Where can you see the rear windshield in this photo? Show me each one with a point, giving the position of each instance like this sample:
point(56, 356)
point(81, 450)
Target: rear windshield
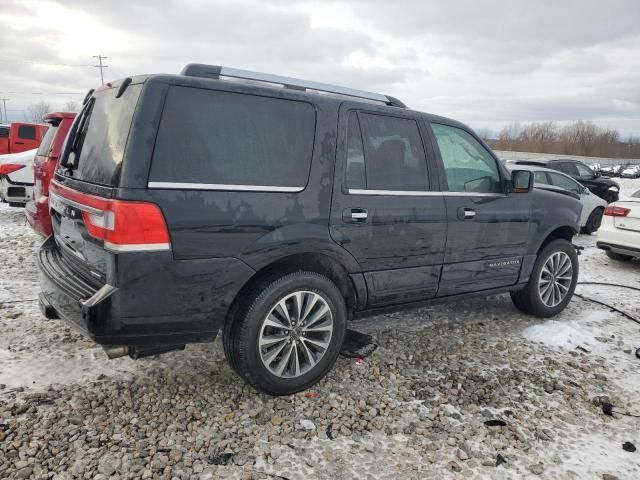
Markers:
point(229, 139)
point(100, 134)
point(45, 145)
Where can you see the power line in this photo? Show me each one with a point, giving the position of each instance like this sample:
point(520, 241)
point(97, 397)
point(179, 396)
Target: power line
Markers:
point(101, 66)
point(35, 62)
point(41, 93)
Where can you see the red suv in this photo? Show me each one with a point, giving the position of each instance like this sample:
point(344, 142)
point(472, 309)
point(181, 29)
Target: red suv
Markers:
point(44, 165)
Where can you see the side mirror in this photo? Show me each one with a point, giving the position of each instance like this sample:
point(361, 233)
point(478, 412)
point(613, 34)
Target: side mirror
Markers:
point(586, 191)
point(521, 181)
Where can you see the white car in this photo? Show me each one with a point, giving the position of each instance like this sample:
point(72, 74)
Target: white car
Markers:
point(592, 205)
point(16, 177)
point(630, 171)
point(619, 235)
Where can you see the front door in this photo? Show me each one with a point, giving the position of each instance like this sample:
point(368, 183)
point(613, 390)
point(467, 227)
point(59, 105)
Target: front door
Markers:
point(487, 230)
point(384, 211)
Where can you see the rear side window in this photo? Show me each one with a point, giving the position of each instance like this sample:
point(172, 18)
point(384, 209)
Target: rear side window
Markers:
point(469, 167)
point(385, 153)
point(232, 139)
point(27, 132)
point(45, 144)
point(4, 132)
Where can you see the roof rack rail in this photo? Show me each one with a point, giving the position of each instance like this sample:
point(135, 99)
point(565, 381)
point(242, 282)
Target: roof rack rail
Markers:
point(215, 72)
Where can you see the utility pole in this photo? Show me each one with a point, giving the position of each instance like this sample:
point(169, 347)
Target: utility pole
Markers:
point(4, 103)
point(101, 66)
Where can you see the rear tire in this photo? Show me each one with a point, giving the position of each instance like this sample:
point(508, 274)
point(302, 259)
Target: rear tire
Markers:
point(594, 221)
point(552, 282)
point(618, 256)
point(288, 334)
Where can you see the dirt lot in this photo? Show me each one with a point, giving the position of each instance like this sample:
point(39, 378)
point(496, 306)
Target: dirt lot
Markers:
point(417, 408)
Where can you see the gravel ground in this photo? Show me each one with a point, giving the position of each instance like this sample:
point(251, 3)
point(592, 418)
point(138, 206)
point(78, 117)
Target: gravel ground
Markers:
point(469, 389)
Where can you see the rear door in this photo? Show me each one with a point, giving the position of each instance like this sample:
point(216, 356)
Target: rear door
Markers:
point(384, 209)
point(487, 231)
point(91, 164)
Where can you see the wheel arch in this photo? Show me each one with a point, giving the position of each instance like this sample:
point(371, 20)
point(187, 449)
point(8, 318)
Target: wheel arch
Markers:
point(304, 261)
point(564, 232)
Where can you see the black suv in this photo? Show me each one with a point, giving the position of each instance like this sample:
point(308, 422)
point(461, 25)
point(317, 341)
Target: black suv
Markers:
point(603, 187)
point(278, 209)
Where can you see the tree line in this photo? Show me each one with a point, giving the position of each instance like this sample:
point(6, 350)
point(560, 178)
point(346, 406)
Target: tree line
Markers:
point(575, 138)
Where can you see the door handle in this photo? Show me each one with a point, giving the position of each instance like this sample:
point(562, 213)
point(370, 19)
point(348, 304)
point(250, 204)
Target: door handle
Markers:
point(355, 215)
point(466, 213)
point(19, 143)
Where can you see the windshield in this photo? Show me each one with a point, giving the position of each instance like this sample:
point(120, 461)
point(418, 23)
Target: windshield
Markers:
point(99, 136)
point(636, 195)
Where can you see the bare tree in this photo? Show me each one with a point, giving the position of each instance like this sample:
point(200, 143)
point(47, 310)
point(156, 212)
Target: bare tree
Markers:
point(575, 138)
point(71, 106)
point(485, 134)
point(37, 111)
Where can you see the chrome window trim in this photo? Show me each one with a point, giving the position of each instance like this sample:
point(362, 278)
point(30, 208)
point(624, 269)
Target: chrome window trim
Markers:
point(223, 187)
point(419, 193)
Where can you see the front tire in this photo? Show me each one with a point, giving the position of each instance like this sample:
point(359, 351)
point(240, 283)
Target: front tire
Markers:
point(552, 282)
point(288, 334)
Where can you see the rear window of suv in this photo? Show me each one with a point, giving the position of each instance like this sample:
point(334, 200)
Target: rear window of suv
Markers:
point(98, 147)
point(223, 139)
point(45, 144)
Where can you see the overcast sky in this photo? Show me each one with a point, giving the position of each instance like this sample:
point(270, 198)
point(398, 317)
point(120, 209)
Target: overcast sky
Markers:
point(486, 63)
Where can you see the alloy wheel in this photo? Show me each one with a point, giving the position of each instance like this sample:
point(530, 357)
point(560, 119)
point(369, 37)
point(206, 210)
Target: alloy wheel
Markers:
point(555, 279)
point(295, 334)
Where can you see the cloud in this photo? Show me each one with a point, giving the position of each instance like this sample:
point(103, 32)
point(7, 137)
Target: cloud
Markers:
point(485, 63)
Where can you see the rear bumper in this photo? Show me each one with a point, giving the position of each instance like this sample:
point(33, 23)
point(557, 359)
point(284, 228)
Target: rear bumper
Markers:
point(158, 301)
point(621, 249)
point(618, 240)
point(15, 192)
point(37, 213)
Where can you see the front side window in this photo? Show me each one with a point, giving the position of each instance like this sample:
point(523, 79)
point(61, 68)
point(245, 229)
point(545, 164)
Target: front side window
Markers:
point(394, 157)
point(469, 167)
point(584, 172)
point(227, 139)
point(27, 132)
point(565, 182)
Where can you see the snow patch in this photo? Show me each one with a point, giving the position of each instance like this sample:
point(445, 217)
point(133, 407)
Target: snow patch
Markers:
point(555, 333)
point(39, 369)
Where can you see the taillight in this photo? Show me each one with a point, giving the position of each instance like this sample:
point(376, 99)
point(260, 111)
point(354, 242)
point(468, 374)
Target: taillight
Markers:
point(614, 211)
point(123, 225)
point(7, 168)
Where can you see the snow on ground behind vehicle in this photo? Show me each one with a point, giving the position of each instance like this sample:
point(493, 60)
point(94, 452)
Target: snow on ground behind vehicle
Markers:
point(415, 409)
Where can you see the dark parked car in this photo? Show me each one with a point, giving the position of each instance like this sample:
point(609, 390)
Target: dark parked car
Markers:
point(603, 187)
point(185, 204)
